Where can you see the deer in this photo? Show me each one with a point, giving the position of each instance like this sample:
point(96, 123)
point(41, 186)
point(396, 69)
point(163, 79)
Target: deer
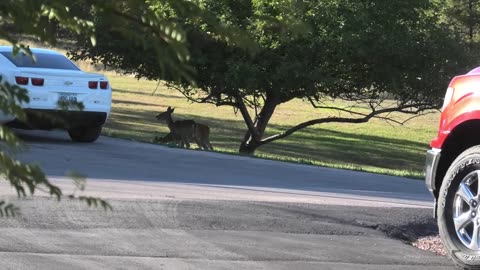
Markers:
point(200, 129)
point(185, 131)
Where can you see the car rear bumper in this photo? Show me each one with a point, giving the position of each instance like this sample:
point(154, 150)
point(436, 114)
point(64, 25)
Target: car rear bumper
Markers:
point(59, 119)
point(430, 169)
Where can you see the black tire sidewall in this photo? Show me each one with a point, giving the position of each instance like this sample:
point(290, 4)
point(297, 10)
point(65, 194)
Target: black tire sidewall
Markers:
point(86, 135)
point(466, 163)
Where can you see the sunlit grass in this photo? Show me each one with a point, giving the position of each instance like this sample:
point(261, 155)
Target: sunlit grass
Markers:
point(374, 147)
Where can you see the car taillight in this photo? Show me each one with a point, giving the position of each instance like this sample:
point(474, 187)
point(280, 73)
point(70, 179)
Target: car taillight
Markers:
point(21, 80)
point(37, 81)
point(448, 98)
point(103, 85)
point(93, 85)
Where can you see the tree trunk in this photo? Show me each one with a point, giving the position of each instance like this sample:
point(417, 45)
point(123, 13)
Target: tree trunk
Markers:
point(248, 147)
point(249, 143)
point(471, 25)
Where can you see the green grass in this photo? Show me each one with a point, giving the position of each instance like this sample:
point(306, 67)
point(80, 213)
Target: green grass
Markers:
point(374, 147)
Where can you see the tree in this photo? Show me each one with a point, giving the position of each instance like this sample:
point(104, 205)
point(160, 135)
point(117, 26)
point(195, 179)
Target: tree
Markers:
point(376, 56)
point(463, 16)
point(43, 19)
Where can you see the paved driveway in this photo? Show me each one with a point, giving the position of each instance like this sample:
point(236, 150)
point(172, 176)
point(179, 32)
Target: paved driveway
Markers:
point(180, 209)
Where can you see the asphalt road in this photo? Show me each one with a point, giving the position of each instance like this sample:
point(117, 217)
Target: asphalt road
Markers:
point(180, 209)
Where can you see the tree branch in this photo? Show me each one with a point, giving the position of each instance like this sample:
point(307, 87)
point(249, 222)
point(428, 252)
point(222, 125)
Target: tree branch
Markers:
point(248, 119)
point(217, 103)
point(346, 109)
point(364, 119)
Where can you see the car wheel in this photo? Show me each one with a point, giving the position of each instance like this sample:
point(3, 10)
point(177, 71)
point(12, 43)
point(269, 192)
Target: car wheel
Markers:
point(459, 209)
point(87, 134)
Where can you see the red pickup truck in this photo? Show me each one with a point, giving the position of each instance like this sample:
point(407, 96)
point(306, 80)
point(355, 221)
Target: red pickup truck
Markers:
point(452, 170)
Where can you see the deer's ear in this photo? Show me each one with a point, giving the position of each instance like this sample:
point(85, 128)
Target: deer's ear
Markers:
point(172, 109)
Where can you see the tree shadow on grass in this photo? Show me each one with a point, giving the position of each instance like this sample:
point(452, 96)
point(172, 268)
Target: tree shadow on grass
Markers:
point(310, 144)
point(134, 103)
point(157, 94)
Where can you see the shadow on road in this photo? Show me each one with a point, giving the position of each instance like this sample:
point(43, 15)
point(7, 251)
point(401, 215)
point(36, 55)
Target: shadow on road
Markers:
point(116, 159)
point(123, 160)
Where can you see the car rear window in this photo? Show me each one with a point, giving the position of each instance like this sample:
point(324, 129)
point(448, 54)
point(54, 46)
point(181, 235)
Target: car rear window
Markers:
point(43, 60)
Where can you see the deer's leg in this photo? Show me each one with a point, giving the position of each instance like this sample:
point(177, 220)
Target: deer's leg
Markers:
point(210, 145)
point(185, 140)
point(199, 143)
point(206, 144)
point(178, 141)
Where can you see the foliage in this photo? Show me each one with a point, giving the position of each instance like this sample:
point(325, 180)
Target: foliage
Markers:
point(463, 17)
point(374, 146)
point(42, 19)
point(133, 21)
point(25, 178)
point(367, 53)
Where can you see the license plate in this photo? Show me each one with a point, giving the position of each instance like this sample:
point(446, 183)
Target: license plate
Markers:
point(67, 97)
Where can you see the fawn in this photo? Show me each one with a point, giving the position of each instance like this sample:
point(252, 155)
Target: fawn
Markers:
point(184, 131)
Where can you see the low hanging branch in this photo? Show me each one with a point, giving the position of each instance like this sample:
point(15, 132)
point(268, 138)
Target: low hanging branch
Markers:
point(364, 119)
point(298, 62)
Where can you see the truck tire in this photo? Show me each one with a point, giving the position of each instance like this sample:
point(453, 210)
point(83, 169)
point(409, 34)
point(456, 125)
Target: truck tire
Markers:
point(459, 209)
point(85, 135)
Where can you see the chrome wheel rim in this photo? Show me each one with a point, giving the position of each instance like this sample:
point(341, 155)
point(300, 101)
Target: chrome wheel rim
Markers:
point(466, 214)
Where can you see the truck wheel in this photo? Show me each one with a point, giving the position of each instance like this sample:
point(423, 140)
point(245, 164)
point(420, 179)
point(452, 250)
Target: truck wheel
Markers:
point(459, 209)
point(87, 134)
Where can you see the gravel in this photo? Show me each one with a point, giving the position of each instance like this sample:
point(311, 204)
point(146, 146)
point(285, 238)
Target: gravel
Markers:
point(431, 243)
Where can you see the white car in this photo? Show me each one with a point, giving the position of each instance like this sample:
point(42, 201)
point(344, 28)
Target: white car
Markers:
point(53, 78)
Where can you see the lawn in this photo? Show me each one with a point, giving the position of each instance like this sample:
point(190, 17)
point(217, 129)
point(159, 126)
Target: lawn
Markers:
point(375, 146)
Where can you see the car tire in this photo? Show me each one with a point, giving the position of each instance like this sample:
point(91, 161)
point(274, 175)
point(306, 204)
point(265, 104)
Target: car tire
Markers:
point(85, 135)
point(457, 219)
